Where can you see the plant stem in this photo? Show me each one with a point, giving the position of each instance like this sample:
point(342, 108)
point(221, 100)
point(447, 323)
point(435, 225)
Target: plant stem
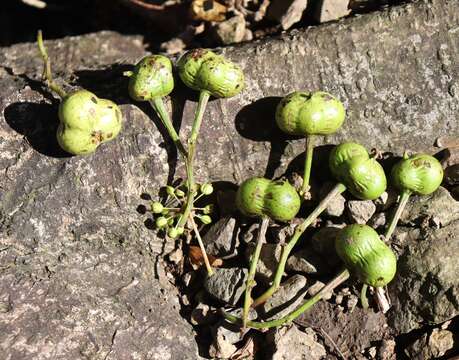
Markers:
point(363, 296)
point(47, 68)
point(307, 164)
point(405, 195)
point(158, 105)
point(201, 245)
point(203, 99)
point(339, 279)
point(338, 189)
point(253, 269)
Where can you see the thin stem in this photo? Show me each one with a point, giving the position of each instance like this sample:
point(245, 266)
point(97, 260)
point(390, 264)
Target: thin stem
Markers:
point(158, 104)
point(47, 68)
point(250, 284)
point(363, 296)
point(339, 279)
point(203, 99)
point(405, 195)
point(201, 245)
point(338, 189)
point(307, 164)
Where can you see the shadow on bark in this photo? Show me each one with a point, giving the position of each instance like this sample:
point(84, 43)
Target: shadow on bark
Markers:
point(256, 122)
point(38, 123)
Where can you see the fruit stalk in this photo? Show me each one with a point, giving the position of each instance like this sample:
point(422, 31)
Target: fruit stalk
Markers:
point(338, 189)
point(158, 105)
point(338, 280)
point(405, 195)
point(201, 245)
point(203, 99)
point(307, 164)
point(250, 284)
point(47, 68)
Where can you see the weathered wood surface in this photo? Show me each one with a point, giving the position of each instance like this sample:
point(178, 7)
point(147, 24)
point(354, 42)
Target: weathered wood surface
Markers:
point(78, 268)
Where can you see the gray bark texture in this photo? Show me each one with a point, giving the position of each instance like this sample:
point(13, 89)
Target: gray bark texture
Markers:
point(80, 274)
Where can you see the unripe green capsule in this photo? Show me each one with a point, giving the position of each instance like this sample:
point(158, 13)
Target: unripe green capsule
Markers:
point(341, 154)
point(157, 207)
point(203, 70)
point(364, 177)
point(365, 255)
point(161, 222)
point(262, 197)
point(151, 78)
point(86, 121)
point(420, 174)
point(170, 190)
point(207, 189)
point(304, 113)
point(180, 230)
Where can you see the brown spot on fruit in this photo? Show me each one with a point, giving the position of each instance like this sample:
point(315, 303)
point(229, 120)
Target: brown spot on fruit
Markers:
point(93, 99)
point(97, 137)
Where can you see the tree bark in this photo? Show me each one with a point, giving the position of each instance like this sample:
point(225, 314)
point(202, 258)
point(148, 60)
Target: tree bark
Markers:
point(80, 272)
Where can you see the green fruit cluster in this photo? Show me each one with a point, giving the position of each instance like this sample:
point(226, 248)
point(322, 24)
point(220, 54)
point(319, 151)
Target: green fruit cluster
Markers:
point(260, 197)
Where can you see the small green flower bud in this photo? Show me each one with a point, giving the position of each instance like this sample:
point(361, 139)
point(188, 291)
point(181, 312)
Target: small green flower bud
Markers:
point(179, 193)
point(161, 222)
point(157, 207)
point(205, 219)
point(170, 221)
point(208, 209)
point(207, 189)
point(180, 230)
point(172, 233)
point(170, 190)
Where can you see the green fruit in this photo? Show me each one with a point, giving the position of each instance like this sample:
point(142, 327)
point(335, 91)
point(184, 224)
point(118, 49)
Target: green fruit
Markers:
point(341, 154)
point(86, 122)
point(351, 165)
point(421, 174)
point(262, 197)
point(304, 113)
point(151, 78)
point(204, 70)
point(365, 255)
point(366, 179)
